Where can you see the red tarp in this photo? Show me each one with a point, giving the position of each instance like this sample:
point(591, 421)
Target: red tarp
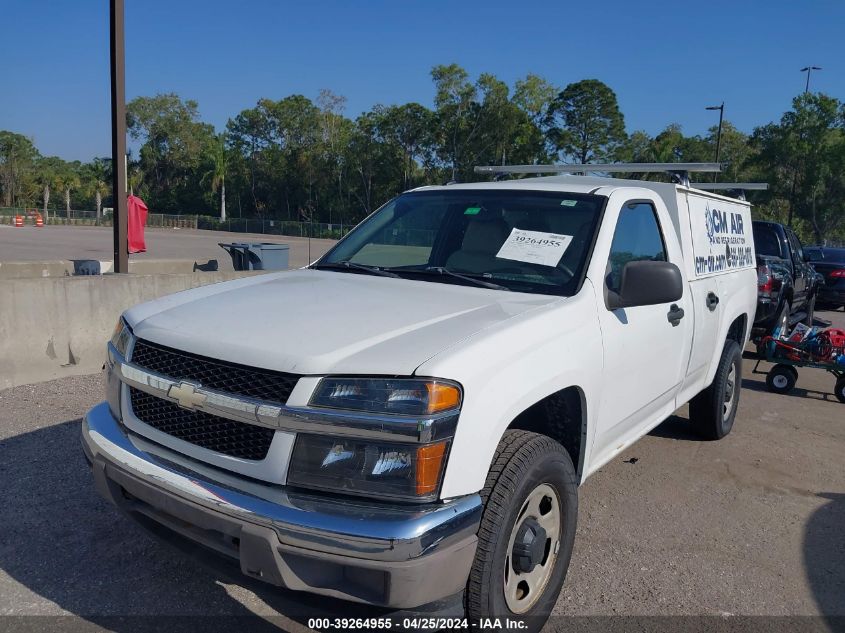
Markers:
point(135, 226)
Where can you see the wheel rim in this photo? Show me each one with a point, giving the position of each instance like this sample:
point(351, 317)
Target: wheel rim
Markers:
point(780, 381)
point(730, 393)
point(524, 588)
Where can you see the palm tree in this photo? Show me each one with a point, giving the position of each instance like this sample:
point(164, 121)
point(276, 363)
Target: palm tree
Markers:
point(67, 180)
point(48, 170)
point(217, 173)
point(45, 183)
point(98, 174)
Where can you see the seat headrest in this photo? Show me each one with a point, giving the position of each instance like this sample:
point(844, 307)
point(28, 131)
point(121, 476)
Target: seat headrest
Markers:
point(485, 235)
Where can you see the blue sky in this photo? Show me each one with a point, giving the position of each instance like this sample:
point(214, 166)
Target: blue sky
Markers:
point(665, 60)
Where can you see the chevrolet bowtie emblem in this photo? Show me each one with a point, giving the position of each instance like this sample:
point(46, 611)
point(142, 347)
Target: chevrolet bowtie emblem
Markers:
point(186, 396)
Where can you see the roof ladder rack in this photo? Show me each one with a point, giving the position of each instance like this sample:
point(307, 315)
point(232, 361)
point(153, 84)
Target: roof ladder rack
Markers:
point(678, 171)
point(737, 189)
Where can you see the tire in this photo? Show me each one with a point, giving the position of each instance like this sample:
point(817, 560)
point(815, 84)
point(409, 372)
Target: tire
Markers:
point(529, 472)
point(810, 311)
point(712, 412)
point(839, 389)
point(781, 379)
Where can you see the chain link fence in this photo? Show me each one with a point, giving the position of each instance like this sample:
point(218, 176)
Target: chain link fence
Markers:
point(234, 225)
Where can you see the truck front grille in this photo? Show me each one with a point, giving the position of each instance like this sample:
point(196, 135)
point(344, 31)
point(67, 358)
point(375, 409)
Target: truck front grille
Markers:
point(252, 382)
point(229, 437)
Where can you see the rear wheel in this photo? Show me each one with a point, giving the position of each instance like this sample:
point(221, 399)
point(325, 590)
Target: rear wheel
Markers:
point(712, 412)
point(811, 308)
point(781, 378)
point(781, 327)
point(527, 531)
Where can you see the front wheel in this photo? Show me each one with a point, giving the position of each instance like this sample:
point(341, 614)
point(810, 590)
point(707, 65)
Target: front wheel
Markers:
point(527, 531)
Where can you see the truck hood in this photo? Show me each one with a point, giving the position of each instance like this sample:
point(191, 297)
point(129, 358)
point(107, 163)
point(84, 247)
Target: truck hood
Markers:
point(320, 322)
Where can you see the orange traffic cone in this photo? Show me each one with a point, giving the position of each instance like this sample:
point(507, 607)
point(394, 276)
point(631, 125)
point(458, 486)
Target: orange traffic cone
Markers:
point(38, 220)
point(18, 220)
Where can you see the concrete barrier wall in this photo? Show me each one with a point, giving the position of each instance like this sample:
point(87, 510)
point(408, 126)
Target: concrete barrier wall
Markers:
point(58, 326)
point(78, 267)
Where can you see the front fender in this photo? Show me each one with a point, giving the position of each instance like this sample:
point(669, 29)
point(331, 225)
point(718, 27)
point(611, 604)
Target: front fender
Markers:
point(509, 367)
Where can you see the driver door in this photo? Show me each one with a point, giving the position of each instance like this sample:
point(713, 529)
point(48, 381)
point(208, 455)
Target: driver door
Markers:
point(645, 353)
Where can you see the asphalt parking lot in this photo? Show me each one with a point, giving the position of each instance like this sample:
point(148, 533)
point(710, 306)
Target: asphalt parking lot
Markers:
point(95, 242)
point(751, 525)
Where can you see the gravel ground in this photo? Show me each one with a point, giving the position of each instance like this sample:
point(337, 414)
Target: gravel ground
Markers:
point(751, 525)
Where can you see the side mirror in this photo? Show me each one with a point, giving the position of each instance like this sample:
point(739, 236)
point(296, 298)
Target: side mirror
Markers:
point(647, 283)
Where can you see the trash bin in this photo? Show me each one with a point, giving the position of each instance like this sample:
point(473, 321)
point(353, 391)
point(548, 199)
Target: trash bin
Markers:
point(257, 255)
point(270, 256)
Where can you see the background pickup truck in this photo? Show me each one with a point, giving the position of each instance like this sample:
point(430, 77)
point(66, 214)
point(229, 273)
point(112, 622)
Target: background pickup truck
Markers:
point(787, 286)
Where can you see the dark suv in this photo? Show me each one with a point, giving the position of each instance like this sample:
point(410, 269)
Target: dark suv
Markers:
point(787, 285)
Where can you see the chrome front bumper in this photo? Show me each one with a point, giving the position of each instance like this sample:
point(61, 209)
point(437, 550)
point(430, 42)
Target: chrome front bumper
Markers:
point(388, 555)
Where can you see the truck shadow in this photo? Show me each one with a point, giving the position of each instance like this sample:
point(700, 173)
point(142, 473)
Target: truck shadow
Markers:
point(676, 427)
point(796, 392)
point(824, 557)
point(64, 543)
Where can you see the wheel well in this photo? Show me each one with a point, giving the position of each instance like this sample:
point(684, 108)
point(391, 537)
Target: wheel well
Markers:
point(736, 332)
point(787, 296)
point(561, 417)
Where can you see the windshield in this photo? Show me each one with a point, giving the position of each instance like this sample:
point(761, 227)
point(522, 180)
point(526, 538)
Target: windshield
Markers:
point(522, 241)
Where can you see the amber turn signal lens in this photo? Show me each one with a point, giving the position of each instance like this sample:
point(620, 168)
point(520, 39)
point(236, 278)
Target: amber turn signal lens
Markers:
point(429, 464)
point(442, 397)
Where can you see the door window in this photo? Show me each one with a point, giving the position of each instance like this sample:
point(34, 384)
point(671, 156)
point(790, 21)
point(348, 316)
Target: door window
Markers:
point(797, 249)
point(637, 238)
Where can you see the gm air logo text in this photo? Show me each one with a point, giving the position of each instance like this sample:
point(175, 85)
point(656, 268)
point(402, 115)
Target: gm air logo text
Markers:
point(721, 224)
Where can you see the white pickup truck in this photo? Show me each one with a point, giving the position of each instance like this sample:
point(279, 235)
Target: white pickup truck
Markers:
point(408, 419)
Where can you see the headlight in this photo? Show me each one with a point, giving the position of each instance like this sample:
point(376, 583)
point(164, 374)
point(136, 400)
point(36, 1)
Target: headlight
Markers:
point(402, 396)
point(377, 469)
point(121, 337)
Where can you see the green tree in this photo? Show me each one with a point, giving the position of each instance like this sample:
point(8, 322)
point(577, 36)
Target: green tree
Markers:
point(585, 122)
point(66, 178)
point(217, 173)
point(49, 171)
point(276, 146)
point(17, 157)
point(96, 177)
point(410, 128)
point(534, 96)
point(173, 151)
point(803, 159)
point(735, 151)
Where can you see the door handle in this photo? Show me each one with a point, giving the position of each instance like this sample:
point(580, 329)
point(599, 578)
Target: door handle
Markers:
point(675, 314)
point(712, 301)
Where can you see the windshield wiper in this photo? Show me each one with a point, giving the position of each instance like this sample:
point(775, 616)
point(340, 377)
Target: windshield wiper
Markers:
point(347, 265)
point(444, 271)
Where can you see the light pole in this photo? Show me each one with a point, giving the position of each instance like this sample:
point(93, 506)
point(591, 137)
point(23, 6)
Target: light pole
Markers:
point(809, 70)
point(118, 134)
point(721, 109)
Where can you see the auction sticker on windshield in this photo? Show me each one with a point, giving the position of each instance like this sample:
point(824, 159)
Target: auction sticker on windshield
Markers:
point(534, 247)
